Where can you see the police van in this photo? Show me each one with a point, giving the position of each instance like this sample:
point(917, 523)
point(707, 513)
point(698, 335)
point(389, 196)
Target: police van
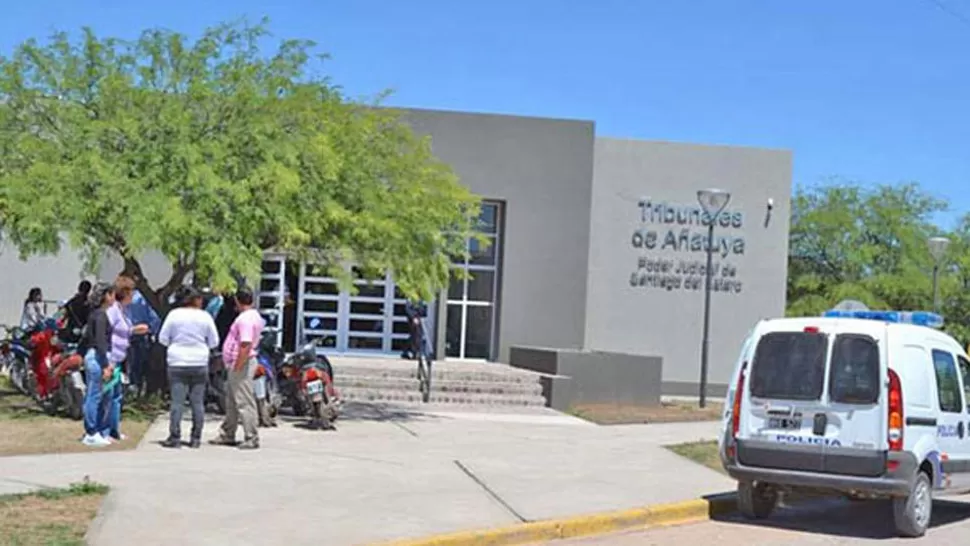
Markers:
point(866, 404)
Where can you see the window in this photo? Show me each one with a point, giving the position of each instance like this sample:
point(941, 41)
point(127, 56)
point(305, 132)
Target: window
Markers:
point(854, 377)
point(947, 382)
point(917, 368)
point(472, 301)
point(965, 374)
point(789, 366)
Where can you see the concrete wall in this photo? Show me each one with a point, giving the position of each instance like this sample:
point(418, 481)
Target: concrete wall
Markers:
point(592, 377)
point(632, 308)
point(542, 170)
point(57, 276)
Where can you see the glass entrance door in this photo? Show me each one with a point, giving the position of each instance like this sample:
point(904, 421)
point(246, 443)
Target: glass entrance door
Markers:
point(370, 322)
point(473, 293)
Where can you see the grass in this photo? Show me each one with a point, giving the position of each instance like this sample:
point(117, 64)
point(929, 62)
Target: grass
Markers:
point(50, 517)
point(702, 452)
point(26, 430)
point(666, 412)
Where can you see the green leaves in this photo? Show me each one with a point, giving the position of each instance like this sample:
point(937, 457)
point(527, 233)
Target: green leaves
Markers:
point(870, 244)
point(211, 151)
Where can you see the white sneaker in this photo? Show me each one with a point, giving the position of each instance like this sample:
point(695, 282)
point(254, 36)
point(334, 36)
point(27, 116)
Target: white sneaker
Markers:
point(95, 440)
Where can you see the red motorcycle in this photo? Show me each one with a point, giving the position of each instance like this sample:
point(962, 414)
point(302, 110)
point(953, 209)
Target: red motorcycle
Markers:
point(58, 378)
point(41, 350)
point(317, 392)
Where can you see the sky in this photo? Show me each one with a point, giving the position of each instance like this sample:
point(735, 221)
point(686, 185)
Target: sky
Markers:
point(867, 91)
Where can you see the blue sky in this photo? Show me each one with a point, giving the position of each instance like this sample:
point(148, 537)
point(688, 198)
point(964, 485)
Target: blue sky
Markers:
point(866, 90)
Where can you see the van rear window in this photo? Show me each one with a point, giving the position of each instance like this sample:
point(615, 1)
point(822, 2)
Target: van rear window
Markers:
point(854, 378)
point(789, 366)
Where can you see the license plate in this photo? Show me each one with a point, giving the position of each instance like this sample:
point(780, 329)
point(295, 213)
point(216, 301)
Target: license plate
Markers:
point(314, 387)
point(77, 380)
point(259, 387)
point(785, 423)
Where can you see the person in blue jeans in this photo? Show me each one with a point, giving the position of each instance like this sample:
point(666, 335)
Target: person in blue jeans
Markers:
point(96, 341)
point(122, 329)
point(139, 311)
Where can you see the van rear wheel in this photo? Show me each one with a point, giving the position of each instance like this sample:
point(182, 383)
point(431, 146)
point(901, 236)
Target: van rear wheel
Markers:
point(756, 500)
point(912, 514)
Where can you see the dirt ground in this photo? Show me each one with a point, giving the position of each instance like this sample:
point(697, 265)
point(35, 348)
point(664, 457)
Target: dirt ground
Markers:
point(667, 412)
point(26, 430)
point(51, 518)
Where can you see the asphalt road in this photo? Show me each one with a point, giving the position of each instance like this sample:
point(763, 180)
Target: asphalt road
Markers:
point(818, 523)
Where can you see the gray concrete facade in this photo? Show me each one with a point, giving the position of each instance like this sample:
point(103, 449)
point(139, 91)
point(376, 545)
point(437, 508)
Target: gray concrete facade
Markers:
point(541, 171)
point(601, 246)
point(647, 252)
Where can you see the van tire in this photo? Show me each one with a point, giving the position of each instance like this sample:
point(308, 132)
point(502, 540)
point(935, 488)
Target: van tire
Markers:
point(912, 514)
point(756, 500)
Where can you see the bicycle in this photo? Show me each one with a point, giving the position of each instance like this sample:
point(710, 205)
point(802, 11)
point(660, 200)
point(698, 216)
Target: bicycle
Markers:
point(420, 347)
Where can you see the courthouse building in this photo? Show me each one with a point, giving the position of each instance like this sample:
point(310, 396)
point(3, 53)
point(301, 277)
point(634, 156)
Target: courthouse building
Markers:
point(598, 248)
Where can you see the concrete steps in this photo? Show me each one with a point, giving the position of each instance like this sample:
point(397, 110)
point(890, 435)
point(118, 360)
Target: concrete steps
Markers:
point(453, 382)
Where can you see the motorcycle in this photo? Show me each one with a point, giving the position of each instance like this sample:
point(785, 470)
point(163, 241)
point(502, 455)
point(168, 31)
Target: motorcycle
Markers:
point(15, 350)
point(58, 368)
point(215, 387)
point(314, 375)
point(43, 346)
point(266, 380)
point(67, 384)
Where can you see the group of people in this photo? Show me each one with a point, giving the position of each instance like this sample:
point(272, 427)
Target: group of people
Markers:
point(189, 333)
point(118, 329)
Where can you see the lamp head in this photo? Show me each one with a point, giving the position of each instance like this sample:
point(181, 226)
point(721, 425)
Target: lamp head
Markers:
point(938, 246)
point(713, 200)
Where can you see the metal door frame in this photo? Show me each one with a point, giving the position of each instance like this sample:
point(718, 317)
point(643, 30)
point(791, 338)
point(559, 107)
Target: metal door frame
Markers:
point(279, 295)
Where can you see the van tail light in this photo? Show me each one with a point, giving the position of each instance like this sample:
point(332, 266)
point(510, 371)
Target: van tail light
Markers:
point(736, 411)
point(895, 432)
point(811, 330)
point(736, 404)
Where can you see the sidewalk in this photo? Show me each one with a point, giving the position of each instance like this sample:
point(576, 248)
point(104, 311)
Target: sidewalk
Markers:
point(385, 475)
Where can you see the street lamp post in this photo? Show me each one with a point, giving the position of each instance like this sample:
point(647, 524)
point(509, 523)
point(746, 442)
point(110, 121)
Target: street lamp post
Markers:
point(938, 246)
point(713, 201)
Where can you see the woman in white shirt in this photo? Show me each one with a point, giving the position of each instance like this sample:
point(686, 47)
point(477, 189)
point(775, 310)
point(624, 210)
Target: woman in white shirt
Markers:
point(190, 335)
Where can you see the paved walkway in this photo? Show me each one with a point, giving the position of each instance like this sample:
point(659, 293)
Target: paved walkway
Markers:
point(387, 474)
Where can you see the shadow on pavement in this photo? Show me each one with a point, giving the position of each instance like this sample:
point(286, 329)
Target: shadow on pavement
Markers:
point(363, 411)
point(851, 519)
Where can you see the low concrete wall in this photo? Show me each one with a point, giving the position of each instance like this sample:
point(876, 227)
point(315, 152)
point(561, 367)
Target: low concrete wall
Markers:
point(592, 377)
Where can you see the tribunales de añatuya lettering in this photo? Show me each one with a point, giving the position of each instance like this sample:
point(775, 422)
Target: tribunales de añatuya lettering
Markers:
point(677, 234)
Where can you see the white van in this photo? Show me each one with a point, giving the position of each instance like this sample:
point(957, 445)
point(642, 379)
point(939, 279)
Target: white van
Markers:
point(859, 403)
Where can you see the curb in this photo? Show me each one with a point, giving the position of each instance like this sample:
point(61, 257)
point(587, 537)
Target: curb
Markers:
point(96, 528)
point(587, 525)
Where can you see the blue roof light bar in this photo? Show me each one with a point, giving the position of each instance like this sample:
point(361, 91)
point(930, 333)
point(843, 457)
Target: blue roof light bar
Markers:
point(919, 318)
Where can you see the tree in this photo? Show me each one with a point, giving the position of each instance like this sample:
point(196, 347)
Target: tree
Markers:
point(211, 152)
point(870, 244)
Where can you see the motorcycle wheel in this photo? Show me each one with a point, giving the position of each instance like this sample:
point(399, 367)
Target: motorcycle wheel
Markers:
point(73, 400)
point(298, 407)
point(17, 375)
point(261, 413)
point(220, 401)
point(273, 400)
point(316, 418)
point(216, 392)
